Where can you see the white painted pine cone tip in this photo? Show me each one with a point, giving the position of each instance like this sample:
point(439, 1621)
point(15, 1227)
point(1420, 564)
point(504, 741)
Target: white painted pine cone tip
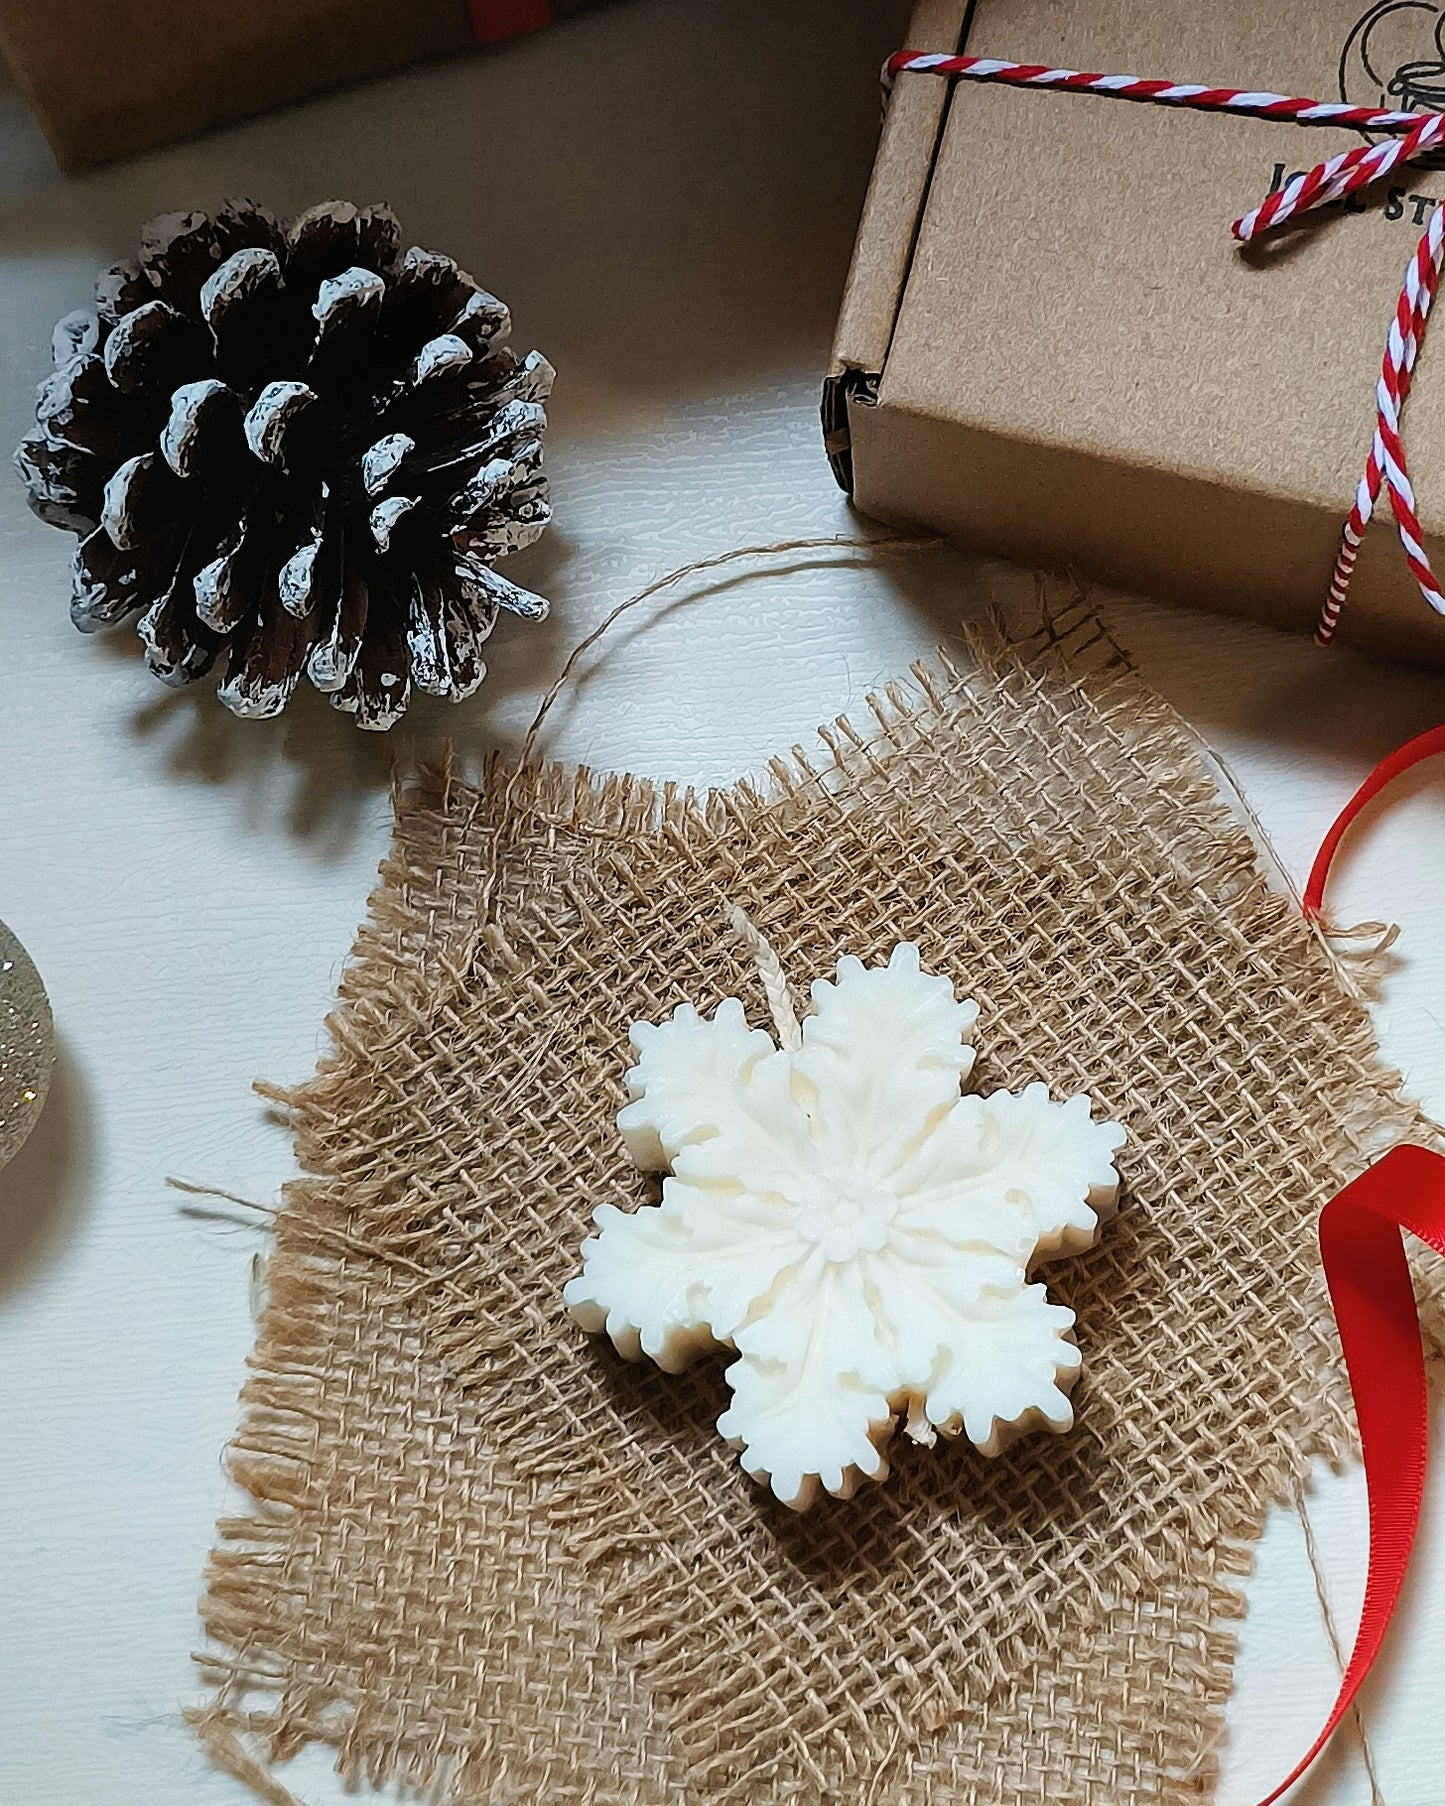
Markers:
point(856, 1226)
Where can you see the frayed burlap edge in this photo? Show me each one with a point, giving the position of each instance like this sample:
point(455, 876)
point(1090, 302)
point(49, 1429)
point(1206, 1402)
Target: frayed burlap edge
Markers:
point(426, 956)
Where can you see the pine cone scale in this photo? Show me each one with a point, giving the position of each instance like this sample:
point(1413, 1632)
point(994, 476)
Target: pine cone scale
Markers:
point(66, 486)
point(201, 414)
point(381, 462)
point(76, 335)
point(256, 326)
point(266, 665)
point(231, 555)
point(336, 650)
point(109, 584)
point(154, 350)
point(118, 290)
point(378, 688)
point(178, 648)
point(306, 530)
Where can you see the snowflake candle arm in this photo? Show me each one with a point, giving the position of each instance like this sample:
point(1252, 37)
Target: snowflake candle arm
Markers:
point(852, 1224)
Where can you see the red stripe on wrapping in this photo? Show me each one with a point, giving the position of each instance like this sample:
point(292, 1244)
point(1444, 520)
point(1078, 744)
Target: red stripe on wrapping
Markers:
point(494, 20)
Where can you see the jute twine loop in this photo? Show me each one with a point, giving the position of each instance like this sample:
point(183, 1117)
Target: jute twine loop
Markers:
point(885, 543)
point(830, 542)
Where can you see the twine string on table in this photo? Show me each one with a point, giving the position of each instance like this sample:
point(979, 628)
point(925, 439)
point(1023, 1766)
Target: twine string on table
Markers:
point(1408, 136)
point(829, 543)
point(885, 543)
point(1337, 1648)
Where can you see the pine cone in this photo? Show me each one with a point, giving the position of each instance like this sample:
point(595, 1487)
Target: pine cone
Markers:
point(298, 447)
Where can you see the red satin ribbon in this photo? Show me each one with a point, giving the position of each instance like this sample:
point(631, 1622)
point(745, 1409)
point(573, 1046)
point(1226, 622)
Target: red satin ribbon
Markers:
point(1423, 746)
point(1374, 1303)
point(1363, 1254)
point(494, 20)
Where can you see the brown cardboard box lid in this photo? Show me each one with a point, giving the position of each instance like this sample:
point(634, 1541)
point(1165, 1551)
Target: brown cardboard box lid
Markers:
point(1051, 345)
point(105, 78)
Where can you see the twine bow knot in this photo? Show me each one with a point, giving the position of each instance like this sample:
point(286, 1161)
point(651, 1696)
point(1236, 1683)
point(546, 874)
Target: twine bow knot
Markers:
point(1408, 137)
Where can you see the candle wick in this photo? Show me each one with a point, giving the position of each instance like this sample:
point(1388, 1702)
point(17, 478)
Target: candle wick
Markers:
point(774, 980)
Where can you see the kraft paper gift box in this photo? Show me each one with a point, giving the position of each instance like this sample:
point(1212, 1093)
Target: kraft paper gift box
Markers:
point(1052, 348)
point(105, 78)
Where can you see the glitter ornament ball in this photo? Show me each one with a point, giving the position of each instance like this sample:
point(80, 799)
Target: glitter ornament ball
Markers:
point(27, 1045)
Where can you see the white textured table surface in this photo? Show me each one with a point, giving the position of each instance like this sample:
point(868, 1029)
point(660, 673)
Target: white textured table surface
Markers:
point(666, 195)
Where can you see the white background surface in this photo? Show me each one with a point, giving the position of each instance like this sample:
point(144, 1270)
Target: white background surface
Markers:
point(666, 195)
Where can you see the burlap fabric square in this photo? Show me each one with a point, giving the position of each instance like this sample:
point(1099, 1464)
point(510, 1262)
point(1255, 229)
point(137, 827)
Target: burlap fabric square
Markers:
point(488, 1560)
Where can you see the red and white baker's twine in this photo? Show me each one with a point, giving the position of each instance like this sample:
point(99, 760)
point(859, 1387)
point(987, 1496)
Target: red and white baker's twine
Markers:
point(1411, 135)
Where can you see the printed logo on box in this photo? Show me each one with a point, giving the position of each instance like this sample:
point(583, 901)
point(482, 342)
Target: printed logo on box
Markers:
point(1394, 56)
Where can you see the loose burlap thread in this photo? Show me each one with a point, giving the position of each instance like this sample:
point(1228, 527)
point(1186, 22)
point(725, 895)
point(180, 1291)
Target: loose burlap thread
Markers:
point(488, 1561)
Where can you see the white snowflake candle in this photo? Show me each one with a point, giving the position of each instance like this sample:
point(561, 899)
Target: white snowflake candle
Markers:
point(849, 1221)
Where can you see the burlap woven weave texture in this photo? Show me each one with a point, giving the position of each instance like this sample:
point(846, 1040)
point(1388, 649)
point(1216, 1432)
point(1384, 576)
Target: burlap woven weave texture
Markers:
point(487, 1558)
